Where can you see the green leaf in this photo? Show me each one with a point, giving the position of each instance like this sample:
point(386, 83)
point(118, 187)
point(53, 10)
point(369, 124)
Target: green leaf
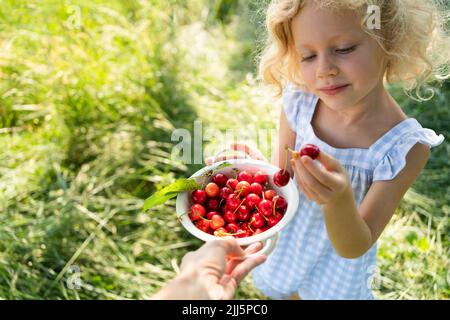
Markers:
point(169, 192)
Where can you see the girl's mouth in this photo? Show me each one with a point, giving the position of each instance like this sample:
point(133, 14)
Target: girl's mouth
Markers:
point(334, 90)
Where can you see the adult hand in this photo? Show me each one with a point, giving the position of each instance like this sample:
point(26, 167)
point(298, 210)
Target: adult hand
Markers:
point(213, 271)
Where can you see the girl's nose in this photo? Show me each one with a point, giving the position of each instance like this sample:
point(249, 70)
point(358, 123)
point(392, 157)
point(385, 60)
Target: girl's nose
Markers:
point(326, 67)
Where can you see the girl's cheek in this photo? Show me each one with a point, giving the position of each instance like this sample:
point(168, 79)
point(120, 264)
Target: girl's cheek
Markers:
point(362, 64)
point(356, 66)
point(307, 73)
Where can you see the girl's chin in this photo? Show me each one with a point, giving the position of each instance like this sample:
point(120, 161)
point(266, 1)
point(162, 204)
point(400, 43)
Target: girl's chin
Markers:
point(337, 103)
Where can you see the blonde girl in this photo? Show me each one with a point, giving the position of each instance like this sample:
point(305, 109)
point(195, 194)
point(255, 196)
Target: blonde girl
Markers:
point(331, 65)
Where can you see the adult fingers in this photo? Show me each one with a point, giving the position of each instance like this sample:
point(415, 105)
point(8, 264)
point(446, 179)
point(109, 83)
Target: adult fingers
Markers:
point(242, 269)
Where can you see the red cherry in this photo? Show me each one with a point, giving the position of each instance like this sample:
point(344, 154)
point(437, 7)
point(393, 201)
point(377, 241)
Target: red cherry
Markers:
point(217, 222)
point(243, 213)
point(224, 209)
point(232, 228)
point(231, 183)
point(210, 214)
point(212, 190)
point(243, 188)
point(280, 203)
point(245, 227)
point(220, 179)
point(199, 196)
point(269, 194)
point(225, 192)
point(252, 200)
point(212, 204)
point(256, 188)
point(265, 207)
point(204, 225)
point(310, 150)
point(197, 212)
point(257, 220)
point(273, 220)
point(281, 178)
point(233, 201)
point(245, 176)
point(261, 177)
point(229, 216)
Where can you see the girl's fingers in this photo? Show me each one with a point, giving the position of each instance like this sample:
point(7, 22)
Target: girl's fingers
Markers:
point(308, 193)
point(330, 163)
point(324, 177)
point(316, 187)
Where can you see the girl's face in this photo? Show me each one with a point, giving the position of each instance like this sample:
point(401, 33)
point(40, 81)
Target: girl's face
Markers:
point(339, 62)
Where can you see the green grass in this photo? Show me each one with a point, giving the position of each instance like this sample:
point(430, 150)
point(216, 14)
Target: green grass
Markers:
point(86, 115)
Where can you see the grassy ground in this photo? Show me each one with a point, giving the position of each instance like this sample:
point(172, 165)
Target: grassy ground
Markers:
point(90, 92)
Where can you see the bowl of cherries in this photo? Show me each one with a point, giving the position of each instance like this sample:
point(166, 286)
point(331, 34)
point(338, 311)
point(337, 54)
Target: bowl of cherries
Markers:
point(248, 199)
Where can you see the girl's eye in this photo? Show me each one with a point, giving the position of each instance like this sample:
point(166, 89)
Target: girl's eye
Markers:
point(306, 59)
point(346, 50)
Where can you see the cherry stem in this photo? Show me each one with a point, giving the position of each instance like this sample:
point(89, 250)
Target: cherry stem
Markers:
point(240, 191)
point(289, 149)
point(239, 205)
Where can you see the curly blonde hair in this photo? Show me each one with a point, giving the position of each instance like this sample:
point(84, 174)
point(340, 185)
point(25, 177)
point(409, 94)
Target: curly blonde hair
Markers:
point(412, 35)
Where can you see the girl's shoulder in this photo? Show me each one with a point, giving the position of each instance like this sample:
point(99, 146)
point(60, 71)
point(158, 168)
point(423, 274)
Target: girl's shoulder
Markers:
point(390, 152)
point(298, 106)
point(294, 96)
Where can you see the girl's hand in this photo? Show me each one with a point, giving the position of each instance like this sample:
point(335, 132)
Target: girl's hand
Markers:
point(239, 151)
point(321, 183)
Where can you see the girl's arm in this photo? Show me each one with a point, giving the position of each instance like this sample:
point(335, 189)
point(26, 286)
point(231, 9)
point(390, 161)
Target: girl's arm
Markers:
point(353, 231)
point(286, 137)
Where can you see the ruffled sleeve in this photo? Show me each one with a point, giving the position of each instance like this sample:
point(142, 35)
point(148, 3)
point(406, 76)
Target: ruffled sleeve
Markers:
point(395, 159)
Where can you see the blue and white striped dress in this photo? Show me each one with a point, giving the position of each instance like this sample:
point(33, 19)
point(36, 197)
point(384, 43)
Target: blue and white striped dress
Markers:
point(304, 261)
